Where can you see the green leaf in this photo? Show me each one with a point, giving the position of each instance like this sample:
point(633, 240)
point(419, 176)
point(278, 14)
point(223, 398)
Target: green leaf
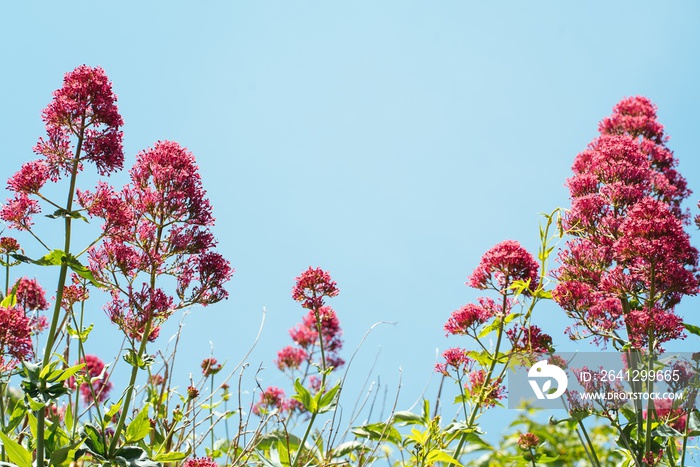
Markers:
point(94, 440)
point(349, 447)
point(691, 328)
point(10, 300)
point(489, 328)
point(60, 455)
point(283, 453)
point(55, 258)
point(81, 270)
point(82, 336)
point(170, 456)
point(545, 459)
point(113, 410)
point(304, 396)
point(441, 456)
point(139, 427)
point(326, 402)
point(68, 417)
point(16, 452)
point(62, 375)
point(132, 358)
point(408, 418)
point(694, 423)
point(511, 317)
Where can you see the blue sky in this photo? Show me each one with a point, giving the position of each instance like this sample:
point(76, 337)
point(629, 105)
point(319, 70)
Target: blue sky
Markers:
point(390, 143)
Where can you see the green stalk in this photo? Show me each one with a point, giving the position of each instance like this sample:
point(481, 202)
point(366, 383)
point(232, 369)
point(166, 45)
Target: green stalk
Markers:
point(51, 338)
point(129, 391)
point(211, 411)
point(590, 444)
point(142, 350)
point(319, 329)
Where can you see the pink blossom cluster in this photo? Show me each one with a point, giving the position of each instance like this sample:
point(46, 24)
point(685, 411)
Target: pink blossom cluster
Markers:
point(157, 225)
point(317, 340)
point(15, 338)
point(82, 124)
point(630, 260)
point(456, 360)
point(500, 268)
point(487, 391)
point(271, 399)
point(529, 340)
point(200, 462)
point(504, 264)
point(312, 286)
point(95, 385)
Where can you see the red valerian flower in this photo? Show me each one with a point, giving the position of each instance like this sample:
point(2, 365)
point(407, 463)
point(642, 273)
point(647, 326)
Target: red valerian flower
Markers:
point(305, 335)
point(30, 295)
point(312, 286)
point(532, 340)
point(630, 254)
point(528, 441)
point(158, 225)
point(469, 317)
point(200, 462)
point(291, 358)
point(30, 178)
point(210, 366)
point(99, 387)
point(503, 264)
point(18, 211)
point(455, 359)
point(8, 245)
point(74, 293)
point(15, 338)
point(85, 108)
point(490, 391)
point(192, 392)
point(271, 399)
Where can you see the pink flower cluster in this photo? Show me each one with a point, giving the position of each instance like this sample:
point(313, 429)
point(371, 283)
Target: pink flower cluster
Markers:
point(484, 390)
point(312, 286)
point(271, 399)
point(457, 360)
point(97, 387)
point(630, 261)
point(158, 225)
point(83, 110)
point(317, 340)
point(15, 338)
point(502, 265)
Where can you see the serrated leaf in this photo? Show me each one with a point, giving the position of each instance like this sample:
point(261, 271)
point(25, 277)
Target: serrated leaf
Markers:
point(16, 452)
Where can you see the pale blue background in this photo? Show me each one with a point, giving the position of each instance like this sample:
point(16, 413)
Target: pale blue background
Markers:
point(389, 142)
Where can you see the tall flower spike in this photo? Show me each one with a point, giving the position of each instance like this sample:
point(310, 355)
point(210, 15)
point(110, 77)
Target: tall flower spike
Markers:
point(630, 261)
